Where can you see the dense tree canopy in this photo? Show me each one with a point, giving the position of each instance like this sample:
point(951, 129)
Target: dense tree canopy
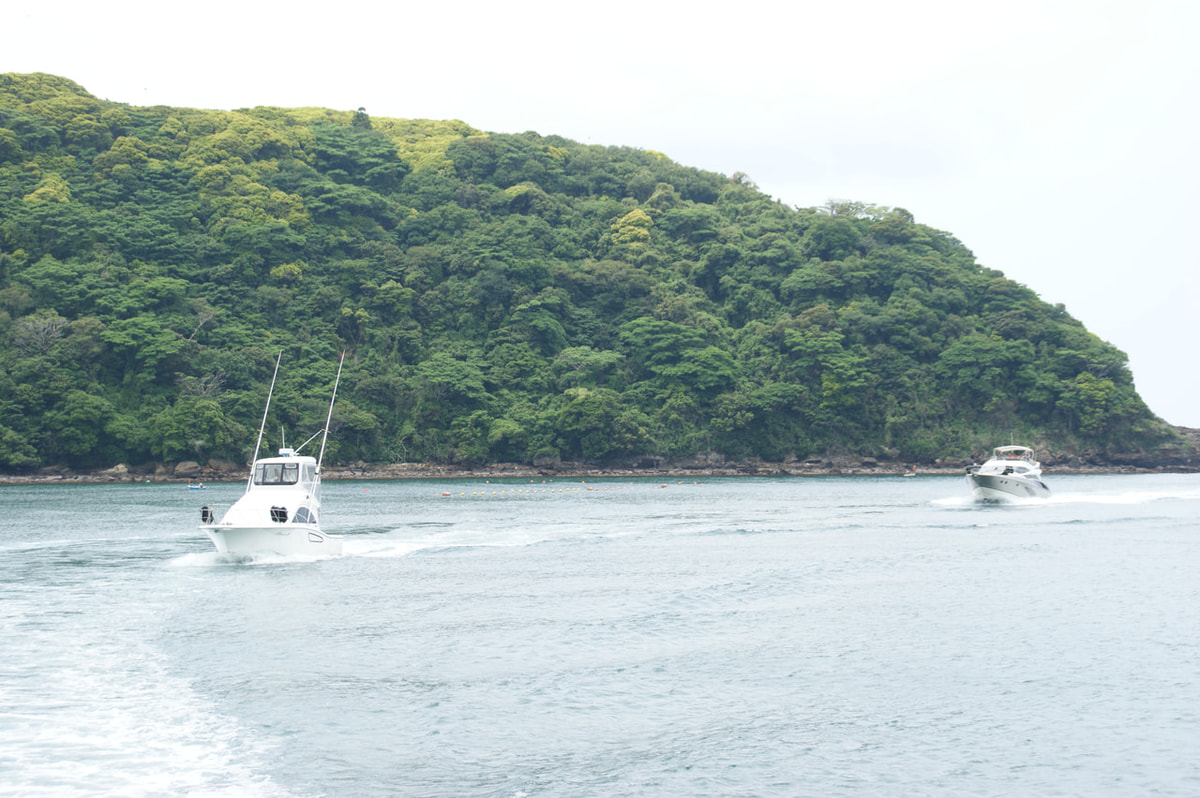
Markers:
point(502, 297)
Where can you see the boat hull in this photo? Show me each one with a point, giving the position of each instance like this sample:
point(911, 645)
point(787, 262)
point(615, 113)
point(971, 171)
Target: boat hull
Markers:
point(1003, 487)
point(284, 540)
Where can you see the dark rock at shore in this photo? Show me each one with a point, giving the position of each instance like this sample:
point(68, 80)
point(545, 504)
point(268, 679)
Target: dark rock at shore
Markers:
point(690, 470)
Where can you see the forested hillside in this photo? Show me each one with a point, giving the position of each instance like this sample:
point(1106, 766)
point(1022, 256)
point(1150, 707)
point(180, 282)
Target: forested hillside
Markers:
point(502, 298)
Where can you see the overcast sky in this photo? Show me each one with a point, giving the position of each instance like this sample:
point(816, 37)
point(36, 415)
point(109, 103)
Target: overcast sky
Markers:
point(1057, 139)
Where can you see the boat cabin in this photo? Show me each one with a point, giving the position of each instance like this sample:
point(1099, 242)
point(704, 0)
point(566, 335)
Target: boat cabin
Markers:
point(1007, 460)
point(286, 470)
point(1012, 453)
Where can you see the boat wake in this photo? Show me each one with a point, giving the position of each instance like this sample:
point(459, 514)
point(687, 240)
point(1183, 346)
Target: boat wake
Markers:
point(970, 502)
point(397, 545)
point(119, 721)
point(215, 559)
point(370, 547)
point(381, 547)
point(1062, 498)
point(955, 501)
point(1127, 497)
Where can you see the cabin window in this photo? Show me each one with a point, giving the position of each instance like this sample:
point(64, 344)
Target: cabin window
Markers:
point(277, 474)
point(304, 516)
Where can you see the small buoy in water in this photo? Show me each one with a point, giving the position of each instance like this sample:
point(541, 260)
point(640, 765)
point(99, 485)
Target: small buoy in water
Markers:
point(445, 493)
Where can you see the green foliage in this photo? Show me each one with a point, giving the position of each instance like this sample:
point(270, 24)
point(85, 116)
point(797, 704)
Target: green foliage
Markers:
point(194, 427)
point(503, 297)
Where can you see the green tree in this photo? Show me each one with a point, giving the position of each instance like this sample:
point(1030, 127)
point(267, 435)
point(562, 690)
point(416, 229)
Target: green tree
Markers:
point(594, 426)
point(77, 426)
point(16, 452)
point(513, 296)
point(195, 428)
point(1088, 402)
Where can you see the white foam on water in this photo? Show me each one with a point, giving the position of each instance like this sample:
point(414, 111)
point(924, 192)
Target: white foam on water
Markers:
point(105, 717)
point(954, 501)
point(214, 559)
point(381, 547)
point(1120, 497)
point(199, 559)
point(1123, 497)
point(352, 546)
point(395, 547)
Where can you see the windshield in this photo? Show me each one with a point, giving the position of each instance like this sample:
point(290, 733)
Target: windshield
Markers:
point(276, 473)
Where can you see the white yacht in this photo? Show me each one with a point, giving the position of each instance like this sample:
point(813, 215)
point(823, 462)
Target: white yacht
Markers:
point(280, 512)
point(1011, 472)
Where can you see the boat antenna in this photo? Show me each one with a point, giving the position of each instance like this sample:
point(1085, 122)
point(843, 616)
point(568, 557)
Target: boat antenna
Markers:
point(263, 426)
point(310, 440)
point(329, 417)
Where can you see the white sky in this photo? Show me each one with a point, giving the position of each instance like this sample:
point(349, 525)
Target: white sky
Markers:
point(1057, 139)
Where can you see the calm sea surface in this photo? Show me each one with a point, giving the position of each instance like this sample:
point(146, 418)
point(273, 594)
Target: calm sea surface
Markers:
point(839, 636)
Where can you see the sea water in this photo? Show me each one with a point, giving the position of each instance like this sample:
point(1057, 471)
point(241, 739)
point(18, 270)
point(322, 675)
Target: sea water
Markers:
point(823, 636)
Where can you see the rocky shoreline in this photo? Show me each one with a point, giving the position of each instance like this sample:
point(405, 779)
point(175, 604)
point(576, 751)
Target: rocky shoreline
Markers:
point(214, 471)
point(1174, 460)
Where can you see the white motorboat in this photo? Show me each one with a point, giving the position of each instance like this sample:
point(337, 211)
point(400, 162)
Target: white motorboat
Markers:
point(280, 512)
point(1010, 473)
